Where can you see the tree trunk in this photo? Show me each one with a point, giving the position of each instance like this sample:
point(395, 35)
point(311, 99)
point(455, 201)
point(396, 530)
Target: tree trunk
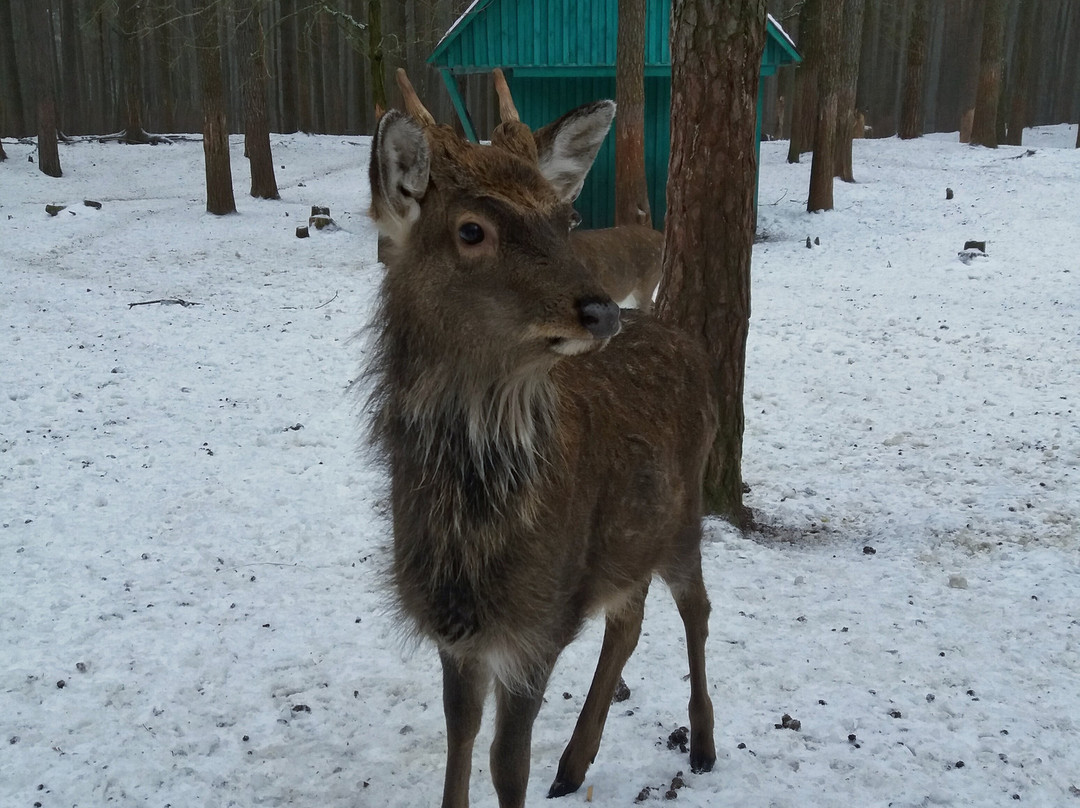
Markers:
point(631, 185)
point(804, 100)
point(287, 72)
point(984, 125)
point(252, 44)
point(715, 61)
point(131, 63)
point(821, 169)
point(911, 109)
point(375, 54)
point(12, 114)
point(219, 190)
point(3, 154)
point(37, 14)
point(849, 80)
point(1021, 67)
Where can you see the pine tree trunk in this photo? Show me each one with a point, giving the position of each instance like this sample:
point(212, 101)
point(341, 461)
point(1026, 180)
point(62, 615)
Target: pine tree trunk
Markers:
point(804, 101)
point(375, 55)
point(911, 109)
point(715, 60)
point(131, 62)
point(287, 73)
point(3, 154)
point(37, 14)
point(252, 43)
point(821, 169)
point(984, 125)
point(1018, 106)
point(851, 45)
point(219, 190)
point(13, 116)
point(631, 186)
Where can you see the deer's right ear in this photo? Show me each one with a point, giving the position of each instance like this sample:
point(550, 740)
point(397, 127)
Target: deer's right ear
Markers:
point(399, 172)
point(567, 147)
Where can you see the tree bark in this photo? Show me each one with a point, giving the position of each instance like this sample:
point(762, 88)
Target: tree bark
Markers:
point(1021, 67)
point(287, 72)
point(911, 109)
point(853, 12)
point(219, 190)
point(821, 169)
point(804, 100)
point(37, 15)
point(131, 66)
point(631, 185)
point(252, 44)
point(984, 125)
point(715, 61)
point(375, 55)
point(13, 117)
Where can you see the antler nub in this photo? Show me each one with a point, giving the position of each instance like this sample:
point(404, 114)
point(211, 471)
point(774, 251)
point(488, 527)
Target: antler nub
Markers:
point(412, 101)
point(507, 110)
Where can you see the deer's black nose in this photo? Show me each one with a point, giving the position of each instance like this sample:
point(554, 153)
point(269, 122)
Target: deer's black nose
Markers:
point(600, 316)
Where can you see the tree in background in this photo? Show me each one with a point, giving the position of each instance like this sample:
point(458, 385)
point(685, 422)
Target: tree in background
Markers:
point(984, 128)
point(219, 190)
point(631, 185)
point(38, 14)
point(252, 44)
point(11, 100)
point(375, 57)
point(851, 44)
point(128, 17)
point(828, 76)
point(804, 99)
point(1019, 75)
point(715, 61)
point(911, 109)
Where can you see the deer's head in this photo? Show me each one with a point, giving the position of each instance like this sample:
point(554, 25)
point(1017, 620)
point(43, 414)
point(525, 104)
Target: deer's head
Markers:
point(479, 261)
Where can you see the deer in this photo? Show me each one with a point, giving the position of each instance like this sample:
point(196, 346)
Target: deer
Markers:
point(626, 259)
point(545, 450)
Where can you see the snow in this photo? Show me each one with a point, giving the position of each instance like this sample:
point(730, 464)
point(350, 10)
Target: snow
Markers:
point(193, 544)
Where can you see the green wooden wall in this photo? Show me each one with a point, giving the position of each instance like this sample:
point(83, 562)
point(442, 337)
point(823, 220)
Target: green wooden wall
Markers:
point(559, 54)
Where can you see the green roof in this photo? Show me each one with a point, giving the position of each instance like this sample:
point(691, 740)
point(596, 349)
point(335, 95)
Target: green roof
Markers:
point(567, 37)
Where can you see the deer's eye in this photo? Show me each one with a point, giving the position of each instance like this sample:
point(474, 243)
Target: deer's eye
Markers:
point(471, 233)
point(575, 219)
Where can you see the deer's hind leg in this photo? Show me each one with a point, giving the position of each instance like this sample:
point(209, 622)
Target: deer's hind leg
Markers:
point(623, 627)
point(690, 596)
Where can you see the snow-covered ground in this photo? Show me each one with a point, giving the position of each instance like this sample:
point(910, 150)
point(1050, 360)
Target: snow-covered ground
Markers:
point(192, 598)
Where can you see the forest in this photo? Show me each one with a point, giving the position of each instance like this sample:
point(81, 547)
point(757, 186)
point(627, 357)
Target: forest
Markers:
point(132, 67)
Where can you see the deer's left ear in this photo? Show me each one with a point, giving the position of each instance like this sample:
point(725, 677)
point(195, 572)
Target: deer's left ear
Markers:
point(567, 147)
point(399, 172)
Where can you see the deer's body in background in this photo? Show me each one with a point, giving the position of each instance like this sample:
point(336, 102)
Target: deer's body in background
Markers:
point(627, 261)
point(543, 465)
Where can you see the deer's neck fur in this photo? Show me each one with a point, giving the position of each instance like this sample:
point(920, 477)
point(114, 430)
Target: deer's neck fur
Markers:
point(472, 448)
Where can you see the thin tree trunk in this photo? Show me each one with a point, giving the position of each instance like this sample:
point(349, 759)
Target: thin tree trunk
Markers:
point(3, 154)
point(631, 186)
point(37, 14)
point(375, 54)
point(984, 125)
point(287, 54)
point(219, 190)
point(715, 61)
point(252, 45)
point(821, 169)
point(849, 81)
point(72, 112)
point(911, 110)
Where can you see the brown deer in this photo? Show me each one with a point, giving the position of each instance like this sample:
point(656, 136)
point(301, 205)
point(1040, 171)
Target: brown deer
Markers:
point(627, 260)
point(545, 452)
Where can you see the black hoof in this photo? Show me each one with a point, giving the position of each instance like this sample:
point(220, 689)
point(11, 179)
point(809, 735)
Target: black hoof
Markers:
point(701, 763)
point(561, 788)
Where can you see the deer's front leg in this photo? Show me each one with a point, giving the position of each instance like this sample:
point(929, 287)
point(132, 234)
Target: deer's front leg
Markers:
point(511, 750)
point(465, 684)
